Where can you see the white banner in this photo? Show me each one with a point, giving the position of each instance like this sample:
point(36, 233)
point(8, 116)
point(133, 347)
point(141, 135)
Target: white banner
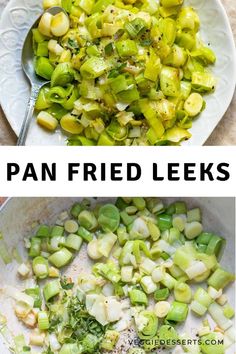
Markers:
point(117, 171)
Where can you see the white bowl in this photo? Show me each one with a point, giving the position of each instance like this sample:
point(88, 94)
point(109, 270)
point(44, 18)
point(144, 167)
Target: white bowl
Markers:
point(19, 15)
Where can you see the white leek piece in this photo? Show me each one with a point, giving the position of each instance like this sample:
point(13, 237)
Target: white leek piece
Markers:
point(216, 312)
point(139, 229)
point(106, 243)
point(197, 268)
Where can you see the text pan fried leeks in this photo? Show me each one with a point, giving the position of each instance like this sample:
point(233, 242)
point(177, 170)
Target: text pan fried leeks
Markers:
point(146, 258)
point(122, 72)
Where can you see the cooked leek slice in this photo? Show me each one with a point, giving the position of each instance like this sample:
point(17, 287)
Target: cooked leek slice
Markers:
point(138, 71)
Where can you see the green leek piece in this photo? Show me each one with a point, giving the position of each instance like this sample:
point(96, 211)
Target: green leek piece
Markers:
point(168, 29)
point(43, 231)
point(35, 293)
point(57, 231)
point(93, 68)
point(166, 110)
point(128, 96)
point(214, 246)
point(105, 140)
point(116, 131)
point(109, 271)
point(153, 67)
point(176, 135)
point(74, 242)
point(178, 312)
point(192, 229)
point(138, 297)
point(57, 111)
point(202, 297)
point(180, 208)
point(228, 311)
point(135, 28)
point(43, 320)
point(90, 343)
point(152, 136)
point(220, 279)
point(154, 231)
point(198, 308)
point(161, 294)
point(139, 202)
point(151, 115)
point(101, 5)
point(185, 88)
point(168, 281)
point(66, 5)
point(209, 261)
point(51, 289)
point(85, 234)
point(203, 82)
point(177, 57)
point(76, 209)
point(126, 218)
point(122, 234)
point(126, 48)
point(186, 40)
point(164, 222)
point(170, 81)
point(118, 84)
point(42, 100)
point(38, 37)
point(168, 336)
point(194, 215)
point(69, 348)
point(110, 339)
point(176, 272)
point(188, 19)
point(207, 346)
point(109, 217)
point(60, 258)
point(170, 3)
point(77, 140)
point(88, 220)
point(204, 238)
point(59, 94)
point(183, 258)
point(205, 55)
point(44, 68)
point(40, 267)
point(35, 246)
point(109, 49)
point(68, 104)
point(183, 292)
point(168, 11)
point(201, 248)
point(150, 330)
point(62, 75)
point(42, 49)
point(86, 5)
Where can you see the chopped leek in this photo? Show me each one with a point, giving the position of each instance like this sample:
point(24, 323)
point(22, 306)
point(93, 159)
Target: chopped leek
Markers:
point(149, 253)
point(125, 58)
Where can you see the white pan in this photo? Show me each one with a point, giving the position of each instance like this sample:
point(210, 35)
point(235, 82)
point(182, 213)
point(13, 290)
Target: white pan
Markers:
point(18, 214)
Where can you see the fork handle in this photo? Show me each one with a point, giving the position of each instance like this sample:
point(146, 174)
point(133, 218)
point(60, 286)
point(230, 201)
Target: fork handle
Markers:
point(28, 116)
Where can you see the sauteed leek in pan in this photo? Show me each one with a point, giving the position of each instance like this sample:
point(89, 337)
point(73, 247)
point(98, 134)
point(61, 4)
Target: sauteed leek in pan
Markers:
point(151, 266)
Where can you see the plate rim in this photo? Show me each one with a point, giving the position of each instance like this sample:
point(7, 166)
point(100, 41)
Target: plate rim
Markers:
point(230, 96)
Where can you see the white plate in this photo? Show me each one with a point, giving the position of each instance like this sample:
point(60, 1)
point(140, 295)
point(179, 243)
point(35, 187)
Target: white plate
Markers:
point(19, 15)
point(218, 217)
